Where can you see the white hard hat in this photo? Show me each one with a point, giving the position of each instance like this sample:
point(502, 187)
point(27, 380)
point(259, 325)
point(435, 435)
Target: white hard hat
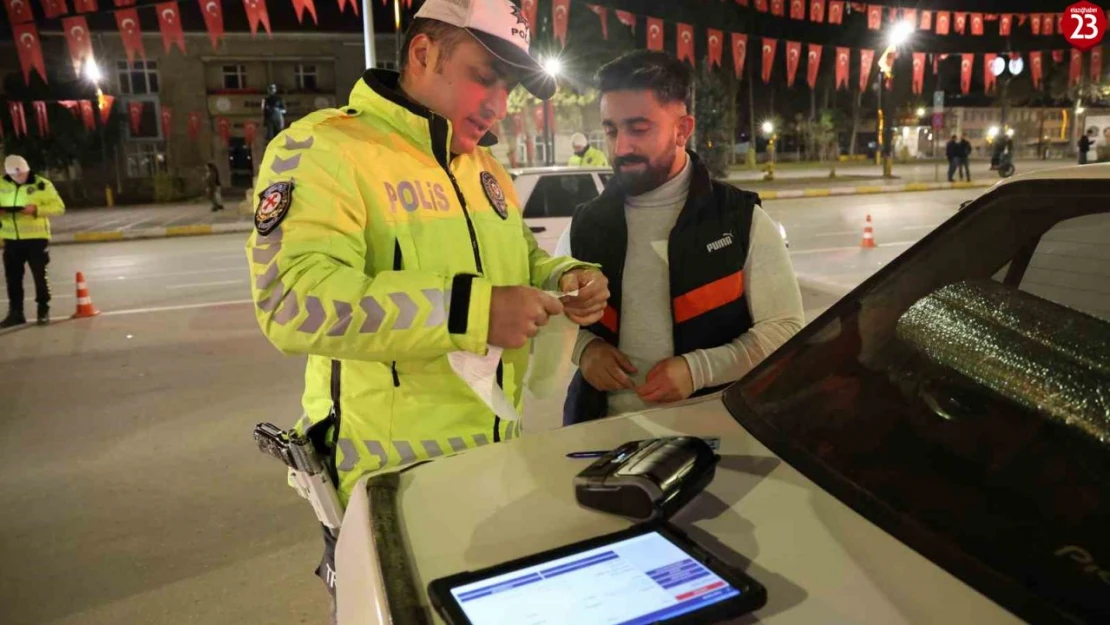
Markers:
point(16, 164)
point(579, 140)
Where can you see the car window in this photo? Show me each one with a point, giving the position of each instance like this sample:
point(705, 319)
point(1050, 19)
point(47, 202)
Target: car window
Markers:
point(959, 399)
point(558, 195)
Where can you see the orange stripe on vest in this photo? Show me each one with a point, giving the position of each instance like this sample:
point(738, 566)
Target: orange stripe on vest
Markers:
point(609, 319)
point(709, 297)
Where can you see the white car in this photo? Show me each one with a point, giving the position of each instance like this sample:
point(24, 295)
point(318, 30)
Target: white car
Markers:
point(549, 196)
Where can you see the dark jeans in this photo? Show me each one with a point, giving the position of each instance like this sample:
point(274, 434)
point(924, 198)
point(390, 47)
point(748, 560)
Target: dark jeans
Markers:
point(33, 252)
point(1082, 158)
point(965, 168)
point(953, 164)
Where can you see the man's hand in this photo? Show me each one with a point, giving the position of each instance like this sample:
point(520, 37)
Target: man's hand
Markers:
point(587, 307)
point(605, 367)
point(516, 314)
point(31, 210)
point(668, 381)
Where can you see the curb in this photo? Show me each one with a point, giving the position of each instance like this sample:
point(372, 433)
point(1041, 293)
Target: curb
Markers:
point(790, 194)
point(151, 233)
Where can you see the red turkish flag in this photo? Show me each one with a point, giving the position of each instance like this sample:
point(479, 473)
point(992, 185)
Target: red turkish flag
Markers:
point(223, 127)
point(685, 48)
point(1035, 23)
point(739, 52)
point(989, 79)
point(250, 129)
point(76, 30)
point(813, 64)
point(654, 33)
point(603, 15)
point(843, 56)
point(965, 72)
point(169, 22)
point(530, 9)
point(977, 23)
point(84, 6)
point(1075, 75)
point(961, 22)
point(73, 106)
point(793, 56)
point(742, 3)
point(128, 22)
point(761, 6)
point(1005, 24)
point(769, 46)
point(874, 16)
point(910, 15)
point(135, 114)
point(1036, 68)
point(560, 17)
point(124, 3)
point(194, 126)
point(866, 62)
point(797, 9)
point(1060, 24)
point(778, 7)
point(1057, 56)
point(53, 9)
point(628, 19)
point(836, 11)
point(918, 72)
point(1046, 24)
point(29, 47)
point(300, 6)
point(19, 120)
point(42, 120)
point(214, 20)
point(926, 20)
point(943, 22)
point(1096, 65)
point(257, 14)
point(167, 121)
point(19, 11)
point(87, 115)
point(817, 11)
point(716, 45)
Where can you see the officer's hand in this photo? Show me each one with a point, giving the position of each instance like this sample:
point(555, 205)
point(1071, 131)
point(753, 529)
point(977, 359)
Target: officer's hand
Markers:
point(30, 209)
point(605, 367)
point(587, 307)
point(516, 314)
point(669, 380)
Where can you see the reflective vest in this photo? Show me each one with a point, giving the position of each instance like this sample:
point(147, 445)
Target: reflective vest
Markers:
point(592, 158)
point(375, 253)
point(38, 191)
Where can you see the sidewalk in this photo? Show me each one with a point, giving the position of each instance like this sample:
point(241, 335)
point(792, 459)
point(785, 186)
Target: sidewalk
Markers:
point(147, 222)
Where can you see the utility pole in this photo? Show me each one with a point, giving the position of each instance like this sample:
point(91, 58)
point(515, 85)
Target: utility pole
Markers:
point(368, 34)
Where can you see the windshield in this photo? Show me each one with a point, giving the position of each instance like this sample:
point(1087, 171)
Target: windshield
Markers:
point(960, 399)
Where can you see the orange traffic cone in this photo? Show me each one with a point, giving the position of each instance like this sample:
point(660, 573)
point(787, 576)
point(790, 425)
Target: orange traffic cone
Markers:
point(85, 306)
point(868, 235)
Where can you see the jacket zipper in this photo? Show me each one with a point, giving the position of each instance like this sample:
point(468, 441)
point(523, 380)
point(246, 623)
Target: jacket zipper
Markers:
point(15, 220)
point(398, 264)
point(336, 414)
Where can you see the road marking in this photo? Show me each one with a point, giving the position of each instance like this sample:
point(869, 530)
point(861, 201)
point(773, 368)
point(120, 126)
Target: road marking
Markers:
point(203, 284)
point(139, 311)
point(932, 227)
point(825, 250)
point(837, 234)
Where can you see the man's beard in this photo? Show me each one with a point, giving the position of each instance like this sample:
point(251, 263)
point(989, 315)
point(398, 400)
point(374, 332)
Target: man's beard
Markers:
point(635, 183)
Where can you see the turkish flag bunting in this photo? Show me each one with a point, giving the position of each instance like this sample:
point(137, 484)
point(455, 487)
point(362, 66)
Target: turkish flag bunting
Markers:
point(797, 9)
point(989, 79)
point(866, 61)
point(19, 11)
point(1005, 24)
point(54, 8)
point(874, 16)
point(1096, 65)
point(909, 15)
point(1035, 23)
point(761, 6)
point(135, 114)
point(250, 129)
point(1057, 56)
point(29, 47)
point(257, 14)
point(778, 7)
point(943, 22)
point(685, 48)
point(1060, 23)
point(843, 56)
point(42, 120)
point(1046, 24)
point(300, 6)
point(106, 102)
point(628, 19)
point(77, 36)
point(961, 23)
point(813, 64)
point(966, 61)
point(169, 22)
point(19, 120)
point(836, 11)
point(977, 23)
point(537, 119)
point(743, 3)
point(84, 6)
point(716, 45)
point(603, 15)
point(223, 127)
point(128, 22)
point(194, 126)
point(167, 121)
point(214, 20)
point(739, 52)
point(793, 56)
point(73, 106)
point(817, 11)
point(1021, 19)
point(769, 46)
point(124, 3)
point(926, 20)
point(1076, 73)
point(918, 72)
point(530, 9)
point(560, 18)
point(654, 33)
point(343, 5)
point(1036, 68)
point(87, 115)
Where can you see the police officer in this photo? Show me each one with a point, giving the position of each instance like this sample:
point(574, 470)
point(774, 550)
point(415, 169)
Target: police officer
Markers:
point(273, 112)
point(27, 201)
point(387, 236)
point(584, 155)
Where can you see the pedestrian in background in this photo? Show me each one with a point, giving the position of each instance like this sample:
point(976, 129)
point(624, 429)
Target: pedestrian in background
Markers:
point(965, 159)
point(212, 187)
point(1084, 147)
point(27, 201)
point(952, 152)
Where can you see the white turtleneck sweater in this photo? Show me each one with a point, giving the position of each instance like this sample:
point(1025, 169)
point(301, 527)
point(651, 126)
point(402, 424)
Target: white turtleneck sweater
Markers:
point(646, 325)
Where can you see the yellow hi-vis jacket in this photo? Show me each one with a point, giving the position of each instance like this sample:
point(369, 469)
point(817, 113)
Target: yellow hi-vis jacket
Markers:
point(375, 253)
point(38, 191)
point(593, 157)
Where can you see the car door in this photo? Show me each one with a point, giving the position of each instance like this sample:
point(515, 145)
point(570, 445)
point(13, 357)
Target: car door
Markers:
point(552, 202)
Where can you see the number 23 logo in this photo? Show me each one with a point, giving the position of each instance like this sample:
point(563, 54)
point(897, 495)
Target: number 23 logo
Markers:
point(1086, 25)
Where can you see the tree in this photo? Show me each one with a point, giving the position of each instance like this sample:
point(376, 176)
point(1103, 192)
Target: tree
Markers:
point(715, 110)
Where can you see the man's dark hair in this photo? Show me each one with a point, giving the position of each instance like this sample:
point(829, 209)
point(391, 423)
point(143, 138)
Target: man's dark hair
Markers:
point(447, 36)
point(670, 79)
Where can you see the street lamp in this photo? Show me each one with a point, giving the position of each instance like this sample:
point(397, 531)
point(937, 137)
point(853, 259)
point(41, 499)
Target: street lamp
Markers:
point(920, 111)
point(92, 72)
point(899, 36)
point(998, 67)
point(552, 66)
point(768, 128)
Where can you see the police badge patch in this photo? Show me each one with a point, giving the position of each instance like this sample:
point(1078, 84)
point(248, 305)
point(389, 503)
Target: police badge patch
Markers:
point(273, 205)
point(495, 194)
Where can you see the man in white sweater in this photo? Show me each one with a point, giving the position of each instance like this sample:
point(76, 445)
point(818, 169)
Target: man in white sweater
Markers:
point(701, 281)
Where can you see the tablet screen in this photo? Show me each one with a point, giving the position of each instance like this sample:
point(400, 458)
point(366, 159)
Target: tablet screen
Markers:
point(643, 579)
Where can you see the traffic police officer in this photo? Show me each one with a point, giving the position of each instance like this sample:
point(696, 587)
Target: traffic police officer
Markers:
point(584, 154)
point(27, 201)
point(387, 236)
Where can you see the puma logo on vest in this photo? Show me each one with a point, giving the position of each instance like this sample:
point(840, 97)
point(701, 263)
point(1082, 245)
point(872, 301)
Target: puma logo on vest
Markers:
point(720, 244)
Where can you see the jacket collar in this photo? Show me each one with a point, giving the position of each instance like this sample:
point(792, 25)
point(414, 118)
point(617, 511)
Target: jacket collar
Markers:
point(32, 178)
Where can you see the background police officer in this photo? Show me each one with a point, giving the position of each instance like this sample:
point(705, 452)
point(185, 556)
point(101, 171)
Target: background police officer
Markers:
point(27, 201)
point(584, 154)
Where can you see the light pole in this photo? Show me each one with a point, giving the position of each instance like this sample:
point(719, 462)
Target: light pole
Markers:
point(553, 66)
point(998, 67)
point(94, 75)
point(899, 36)
point(769, 131)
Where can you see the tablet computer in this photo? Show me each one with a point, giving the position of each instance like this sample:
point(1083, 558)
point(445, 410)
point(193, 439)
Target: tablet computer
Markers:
point(648, 574)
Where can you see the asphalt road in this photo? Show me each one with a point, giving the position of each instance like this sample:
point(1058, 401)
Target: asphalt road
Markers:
point(130, 489)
